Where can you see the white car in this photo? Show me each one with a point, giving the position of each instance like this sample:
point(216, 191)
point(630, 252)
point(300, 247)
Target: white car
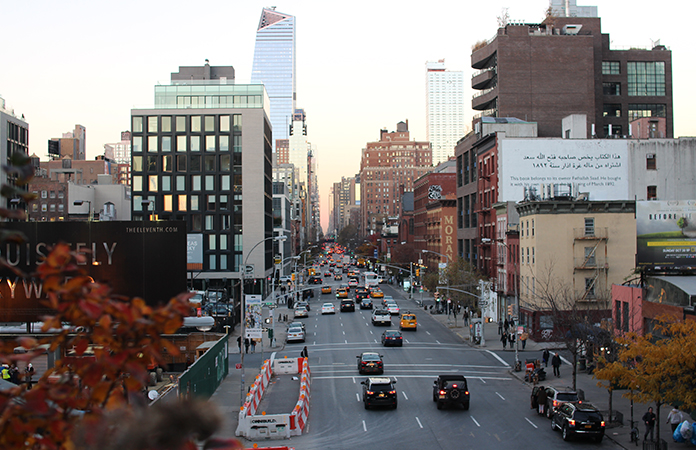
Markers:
point(295, 334)
point(328, 308)
point(301, 312)
point(393, 308)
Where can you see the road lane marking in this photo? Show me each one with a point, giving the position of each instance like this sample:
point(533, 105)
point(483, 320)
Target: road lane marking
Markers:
point(364, 426)
point(438, 342)
point(498, 358)
point(482, 380)
point(405, 396)
point(344, 333)
point(428, 333)
point(357, 396)
point(346, 339)
point(477, 424)
point(407, 341)
point(419, 423)
point(500, 396)
point(532, 423)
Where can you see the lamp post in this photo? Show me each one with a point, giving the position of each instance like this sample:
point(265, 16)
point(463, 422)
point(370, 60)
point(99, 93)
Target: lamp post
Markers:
point(146, 203)
point(448, 278)
point(480, 299)
point(89, 207)
point(242, 306)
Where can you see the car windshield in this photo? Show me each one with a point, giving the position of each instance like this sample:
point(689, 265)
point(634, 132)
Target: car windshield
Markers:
point(567, 397)
point(392, 333)
point(406, 317)
point(381, 387)
point(370, 357)
point(587, 416)
point(328, 305)
point(295, 330)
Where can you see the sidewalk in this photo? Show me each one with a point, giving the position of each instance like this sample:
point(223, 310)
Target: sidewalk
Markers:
point(594, 394)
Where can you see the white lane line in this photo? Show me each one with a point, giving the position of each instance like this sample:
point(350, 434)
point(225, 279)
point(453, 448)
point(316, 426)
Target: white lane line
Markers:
point(482, 380)
point(354, 383)
point(500, 396)
point(428, 332)
point(364, 426)
point(405, 396)
point(344, 333)
point(438, 342)
point(477, 424)
point(341, 323)
point(376, 341)
point(346, 339)
point(357, 396)
point(565, 361)
point(532, 423)
point(407, 341)
point(419, 424)
point(371, 332)
point(498, 358)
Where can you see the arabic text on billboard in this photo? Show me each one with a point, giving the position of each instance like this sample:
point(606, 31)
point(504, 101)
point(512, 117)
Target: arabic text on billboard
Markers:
point(666, 233)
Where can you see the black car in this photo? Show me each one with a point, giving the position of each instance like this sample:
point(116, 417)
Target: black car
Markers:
point(361, 292)
point(370, 362)
point(379, 391)
point(451, 390)
point(314, 280)
point(392, 338)
point(366, 303)
point(578, 419)
point(347, 305)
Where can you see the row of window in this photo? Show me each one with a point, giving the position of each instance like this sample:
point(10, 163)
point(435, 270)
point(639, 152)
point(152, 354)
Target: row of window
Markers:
point(645, 78)
point(635, 110)
point(195, 124)
point(50, 194)
point(187, 163)
point(194, 143)
point(178, 183)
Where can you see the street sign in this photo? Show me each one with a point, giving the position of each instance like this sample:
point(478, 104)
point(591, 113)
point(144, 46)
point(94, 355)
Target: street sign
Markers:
point(269, 304)
point(238, 366)
point(249, 271)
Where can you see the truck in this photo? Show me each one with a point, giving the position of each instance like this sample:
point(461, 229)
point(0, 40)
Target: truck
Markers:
point(361, 262)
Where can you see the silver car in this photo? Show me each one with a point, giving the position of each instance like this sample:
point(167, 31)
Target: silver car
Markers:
point(301, 312)
point(295, 334)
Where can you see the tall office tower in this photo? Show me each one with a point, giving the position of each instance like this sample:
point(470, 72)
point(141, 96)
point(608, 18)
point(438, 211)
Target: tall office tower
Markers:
point(204, 156)
point(544, 72)
point(274, 66)
point(444, 103)
point(298, 144)
point(569, 8)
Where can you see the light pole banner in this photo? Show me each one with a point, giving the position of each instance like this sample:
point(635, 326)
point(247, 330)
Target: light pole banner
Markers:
point(253, 322)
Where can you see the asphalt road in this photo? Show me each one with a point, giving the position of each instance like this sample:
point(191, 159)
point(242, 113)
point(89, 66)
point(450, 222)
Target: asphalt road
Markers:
point(499, 415)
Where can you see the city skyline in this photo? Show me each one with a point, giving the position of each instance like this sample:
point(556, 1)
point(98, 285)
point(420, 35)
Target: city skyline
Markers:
point(363, 83)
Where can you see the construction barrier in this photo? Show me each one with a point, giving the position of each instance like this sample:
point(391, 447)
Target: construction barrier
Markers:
point(275, 426)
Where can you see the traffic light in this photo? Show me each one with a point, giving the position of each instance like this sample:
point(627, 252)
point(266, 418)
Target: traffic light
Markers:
point(417, 272)
point(510, 310)
point(293, 277)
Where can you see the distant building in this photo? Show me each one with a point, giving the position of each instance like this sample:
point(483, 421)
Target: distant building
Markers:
point(385, 165)
point(444, 103)
point(73, 144)
point(569, 8)
point(14, 137)
point(543, 72)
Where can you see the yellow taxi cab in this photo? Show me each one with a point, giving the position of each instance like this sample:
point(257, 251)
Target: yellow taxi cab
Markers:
point(408, 321)
point(341, 293)
point(376, 293)
point(326, 289)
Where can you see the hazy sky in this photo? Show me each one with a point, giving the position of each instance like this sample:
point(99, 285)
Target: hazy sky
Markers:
point(360, 64)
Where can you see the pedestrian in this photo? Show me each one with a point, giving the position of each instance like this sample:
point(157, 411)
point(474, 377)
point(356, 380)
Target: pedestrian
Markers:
point(512, 323)
point(649, 421)
point(304, 353)
point(500, 326)
point(674, 418)
point(253, 346)
point(28, 374)
point(14, 374)
point(466, 317)
point(246, 345)
point(239, 343)
point(545, 357)
point(541, 400)
point(503, 339)
point(556, 363)
point(5, 371)
point(506, 325)
point(512, 339)
point(523, 339)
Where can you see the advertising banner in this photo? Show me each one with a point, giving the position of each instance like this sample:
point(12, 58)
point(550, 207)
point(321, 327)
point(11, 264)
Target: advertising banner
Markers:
point(253, 322)
point(666, 233)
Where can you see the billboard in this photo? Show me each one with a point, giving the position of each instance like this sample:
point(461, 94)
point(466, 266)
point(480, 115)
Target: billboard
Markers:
point(137, 259)
point(549, 166)
point(253, 321)
point(666, 233)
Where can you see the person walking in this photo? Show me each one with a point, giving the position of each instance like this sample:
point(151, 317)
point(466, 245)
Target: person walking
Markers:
point(506, 325)
point(523, 339)
point(500, 326)
point(649, 421)
point(674, 418)
point(29, 374)
point(246, 345)
point(556, 363)
point(545, 357)
point(541, 401)
point(503, 339)
point(253, 345)
point(239, 343)
point(304, 353)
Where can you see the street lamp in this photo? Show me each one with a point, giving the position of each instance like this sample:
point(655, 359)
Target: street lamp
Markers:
point(242, 306)
point(448, 278)
point(146, 203)
point(89, 207)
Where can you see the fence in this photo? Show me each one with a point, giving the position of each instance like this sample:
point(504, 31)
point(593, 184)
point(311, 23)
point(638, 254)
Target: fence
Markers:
point(204, 376)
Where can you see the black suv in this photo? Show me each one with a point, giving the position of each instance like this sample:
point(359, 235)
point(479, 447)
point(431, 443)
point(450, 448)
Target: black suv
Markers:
point(451, 390)
point(347, 305)
point(314, 280)
point(578, 419)
point(361, 292)
point(555, 396)
point(379, 392)
point(370, 362)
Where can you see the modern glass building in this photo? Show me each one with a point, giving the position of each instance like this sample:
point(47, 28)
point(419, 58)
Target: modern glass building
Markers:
point(274, 66)
point(444, 96)
point(203, 155)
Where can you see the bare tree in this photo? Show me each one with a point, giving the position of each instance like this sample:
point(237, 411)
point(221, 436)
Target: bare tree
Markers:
point(503, 18)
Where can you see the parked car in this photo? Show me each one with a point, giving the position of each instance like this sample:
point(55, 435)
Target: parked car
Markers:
point(392, 338)
point(451, 390)
point(379, 391)
point(555, 396)
point(578, 419)
point(370, 362)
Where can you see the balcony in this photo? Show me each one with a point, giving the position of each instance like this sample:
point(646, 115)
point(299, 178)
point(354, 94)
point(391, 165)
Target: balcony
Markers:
point(590, 233)
point(594, 263)
point(485, 99)
point(484, 78)
point(484, 56)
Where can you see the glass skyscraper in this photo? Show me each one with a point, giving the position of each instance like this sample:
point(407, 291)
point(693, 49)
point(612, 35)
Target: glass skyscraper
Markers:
point(444, 95)
point(274, 66)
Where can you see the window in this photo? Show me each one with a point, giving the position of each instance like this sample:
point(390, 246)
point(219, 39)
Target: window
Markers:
point(52, 194)
point(181, 163)
point(181, 123)
point(224, 123)
point(650, 162)
point(182, 203)
point(195, 143)
point(611, 88)
point(589, 226)
point(528, 228)
point(612, 110)
point(652, 192)
point(167, 165)
point(180, 143)
point(533, 257)
point(166, 124)
point(224, 143)
point(637, 110)
point(646, 78)
point(616, 130)
point(625, 317)
point(527, 255)
point(137, 145)
point(209, 123)
point(181, 183)
point(589, 288)
point(590, 257)
point(611, 68)
point(196, 123)
point(44, 194)
point(137, 124)
point(152, 124)
point(210, 143)
point(532, 227)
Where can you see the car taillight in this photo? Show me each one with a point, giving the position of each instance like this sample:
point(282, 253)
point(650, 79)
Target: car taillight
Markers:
point(379, 363)
point(466, 392)
point(370, 392)
point(571, 422)
point(454, 386)
point(602, 423)
point(364, 363)
point(555, 403)
point(443, 392)
point(392, 392)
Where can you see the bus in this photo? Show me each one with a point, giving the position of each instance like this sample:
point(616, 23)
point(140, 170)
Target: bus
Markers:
point(371, 279)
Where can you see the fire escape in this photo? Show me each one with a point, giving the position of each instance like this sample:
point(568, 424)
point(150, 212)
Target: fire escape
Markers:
point(594, 265)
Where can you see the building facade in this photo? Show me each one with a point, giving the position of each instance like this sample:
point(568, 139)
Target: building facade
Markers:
point(543, 72)
point(204, 156)
point(14, 137)
point(274, 67)
point(386, 165)
point(444, 103)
